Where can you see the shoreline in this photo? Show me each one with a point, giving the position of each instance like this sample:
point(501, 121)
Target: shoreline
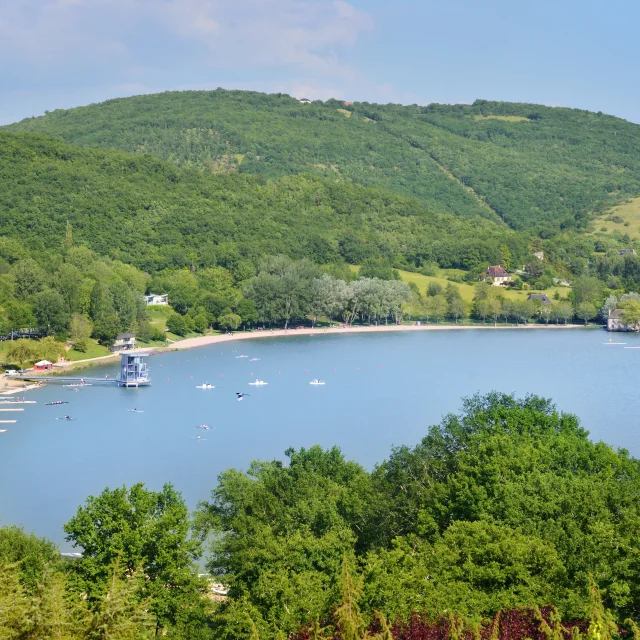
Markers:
point(200, 341)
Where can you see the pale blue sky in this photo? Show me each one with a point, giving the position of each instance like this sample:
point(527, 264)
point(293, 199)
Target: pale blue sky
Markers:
point(576, 53)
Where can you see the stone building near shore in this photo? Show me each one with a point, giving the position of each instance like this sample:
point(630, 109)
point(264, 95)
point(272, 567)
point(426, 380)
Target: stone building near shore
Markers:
point(614, 322)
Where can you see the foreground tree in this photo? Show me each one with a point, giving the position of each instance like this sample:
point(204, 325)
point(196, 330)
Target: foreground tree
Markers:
point(286, 559)
point(504, 460)
point(136, 528)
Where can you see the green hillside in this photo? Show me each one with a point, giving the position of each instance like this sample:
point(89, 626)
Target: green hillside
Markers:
point(147, 212)
point(532, 166)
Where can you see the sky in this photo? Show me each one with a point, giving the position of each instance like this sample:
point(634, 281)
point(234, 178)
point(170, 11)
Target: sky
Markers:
point(574, 53)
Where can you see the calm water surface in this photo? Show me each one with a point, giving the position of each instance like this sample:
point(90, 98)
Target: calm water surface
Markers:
point(381, 390)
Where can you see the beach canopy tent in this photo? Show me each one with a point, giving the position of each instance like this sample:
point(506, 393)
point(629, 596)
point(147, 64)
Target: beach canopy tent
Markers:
point(43, 365)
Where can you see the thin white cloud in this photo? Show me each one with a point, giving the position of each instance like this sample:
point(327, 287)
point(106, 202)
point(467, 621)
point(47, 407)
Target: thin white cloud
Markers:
point(44, 33)
point(298, 34)
point(81, 48)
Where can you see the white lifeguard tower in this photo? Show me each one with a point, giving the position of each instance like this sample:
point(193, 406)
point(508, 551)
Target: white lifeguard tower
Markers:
point(133, 370)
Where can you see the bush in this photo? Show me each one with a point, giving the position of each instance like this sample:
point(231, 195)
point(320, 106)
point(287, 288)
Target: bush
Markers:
point(434, 289)
point(200, 323)
point(80, 345)
point(429, 269)
point(176, 324)
point(544, 282)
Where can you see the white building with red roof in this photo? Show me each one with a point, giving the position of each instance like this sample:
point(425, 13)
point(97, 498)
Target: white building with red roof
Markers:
point(498, 275)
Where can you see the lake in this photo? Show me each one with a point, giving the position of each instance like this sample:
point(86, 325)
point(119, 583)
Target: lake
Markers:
point(381, 390)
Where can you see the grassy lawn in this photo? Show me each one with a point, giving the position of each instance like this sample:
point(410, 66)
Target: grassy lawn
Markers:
point(94, 350)
point(504, 118)
point(158, 316)
point(628, 212)
point(466, 290)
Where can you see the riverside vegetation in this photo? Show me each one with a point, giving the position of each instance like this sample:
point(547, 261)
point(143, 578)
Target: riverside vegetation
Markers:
point(192, 195)
point(480, 530)
point(86, 232)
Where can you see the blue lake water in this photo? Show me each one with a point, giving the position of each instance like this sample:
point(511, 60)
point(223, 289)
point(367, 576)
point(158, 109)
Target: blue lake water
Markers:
point(381, 390)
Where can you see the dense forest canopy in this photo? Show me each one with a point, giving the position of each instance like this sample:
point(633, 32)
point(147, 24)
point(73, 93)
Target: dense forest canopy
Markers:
point(532, 166)
point(506, 505)
point(149, 213)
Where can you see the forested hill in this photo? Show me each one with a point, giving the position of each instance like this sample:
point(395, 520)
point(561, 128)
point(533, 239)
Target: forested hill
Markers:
point(148, 212)
point(532, 166)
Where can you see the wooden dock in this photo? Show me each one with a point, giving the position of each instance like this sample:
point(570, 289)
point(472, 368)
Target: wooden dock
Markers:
point(67, 379)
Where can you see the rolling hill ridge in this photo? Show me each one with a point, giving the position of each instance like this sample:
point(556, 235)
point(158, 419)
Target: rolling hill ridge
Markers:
point(529, 166)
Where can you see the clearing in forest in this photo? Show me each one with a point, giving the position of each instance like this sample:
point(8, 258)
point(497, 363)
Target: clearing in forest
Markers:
point(505, 118)
point(467, 290)
point(624, 218)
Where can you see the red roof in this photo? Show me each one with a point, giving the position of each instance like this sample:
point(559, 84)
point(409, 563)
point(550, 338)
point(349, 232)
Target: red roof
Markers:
point(348, 104)
point(497, 272)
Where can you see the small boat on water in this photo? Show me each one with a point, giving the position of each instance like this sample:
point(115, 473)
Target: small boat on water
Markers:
point(241, 357)
point(317, 382)
point(78, 384)
point(3, 431)
point(206, 385)
point(258, 383)
point(206, 427)
point(49, 404)
point(636, 347)
point(134, 410)
point(254, 359)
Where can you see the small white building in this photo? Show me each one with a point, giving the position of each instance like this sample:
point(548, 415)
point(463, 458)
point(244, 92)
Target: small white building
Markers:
point(157, 299)
point(539, 255)
point(304, 101)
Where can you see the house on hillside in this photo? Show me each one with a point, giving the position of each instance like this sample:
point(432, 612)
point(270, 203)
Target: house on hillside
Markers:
point(124, 342)
point(539, 255)
point(304, 101)
point(347, 104)
point(155, 299)
point(539, 296)
point(498, 275)
point(43, 365)
point(626, 252)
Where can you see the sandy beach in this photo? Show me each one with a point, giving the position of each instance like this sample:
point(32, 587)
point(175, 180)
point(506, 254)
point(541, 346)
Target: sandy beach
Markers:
point(190, 343)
